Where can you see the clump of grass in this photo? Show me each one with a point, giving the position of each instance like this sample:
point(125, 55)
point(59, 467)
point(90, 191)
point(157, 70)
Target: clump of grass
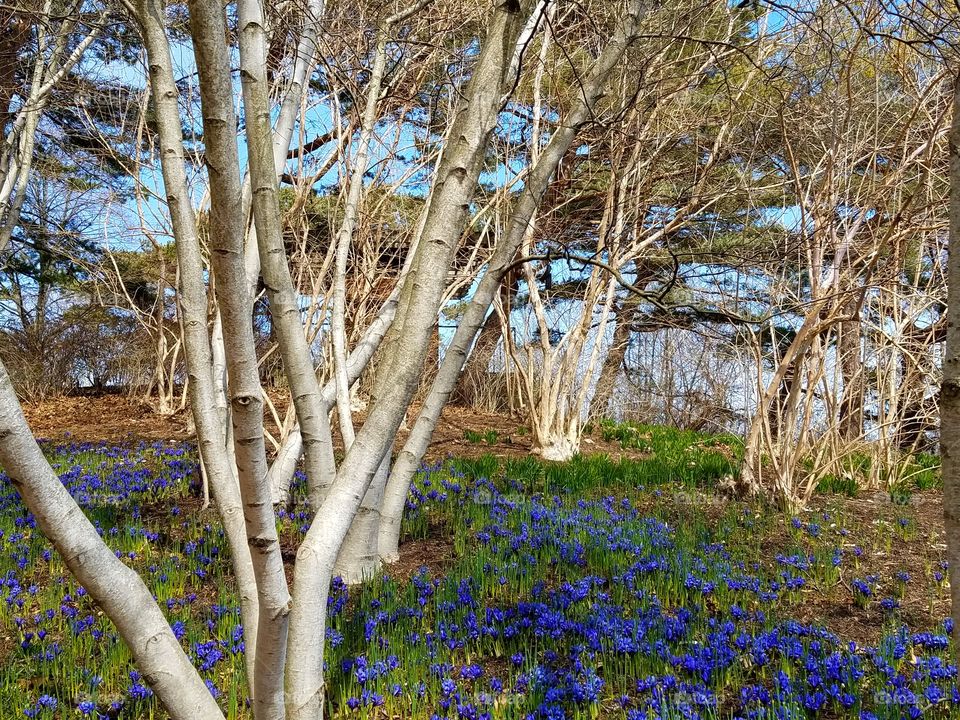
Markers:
point(490, 437)
point(839, 485)
point(923, 470)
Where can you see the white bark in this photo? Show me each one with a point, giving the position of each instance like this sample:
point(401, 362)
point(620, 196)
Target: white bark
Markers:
point(284, 465)
point(203, 388)
point(305, 63)
point(536, 185)
point(558, 448)
point(117, 589)
point(227, 225)
point(321, 465)
point(345, 238)
point(218, 359)
point(445, 218)
point(359, 559)
point(284, 304)
point(48, 71)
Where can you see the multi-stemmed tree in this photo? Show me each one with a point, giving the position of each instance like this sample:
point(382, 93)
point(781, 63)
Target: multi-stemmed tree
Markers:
point(284, 624)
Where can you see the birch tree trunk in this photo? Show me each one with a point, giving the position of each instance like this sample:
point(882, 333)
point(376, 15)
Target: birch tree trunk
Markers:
point(950, 389)
point(285, 463)
point(445, 218)
point(18, 145)
point(116, 588)
point(207, 27)
point(192, 292)
point(535, 187)
point(321, 467)
point(314, 427)
point(345, 235)
point(359, 557)
point(304, 64)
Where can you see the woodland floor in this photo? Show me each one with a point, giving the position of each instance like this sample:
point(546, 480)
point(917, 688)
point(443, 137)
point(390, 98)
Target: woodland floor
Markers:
point(117, 418)
point(880, 540)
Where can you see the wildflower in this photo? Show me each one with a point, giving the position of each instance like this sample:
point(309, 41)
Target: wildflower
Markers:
point(889, 604)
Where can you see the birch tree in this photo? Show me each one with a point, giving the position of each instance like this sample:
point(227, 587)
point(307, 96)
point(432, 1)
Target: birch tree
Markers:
point(63, 32)
point(537, 184)
point(558, 355)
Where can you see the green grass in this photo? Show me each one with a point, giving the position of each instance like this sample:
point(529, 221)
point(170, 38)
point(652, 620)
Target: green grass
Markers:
point(490, 437)
point(670, 456)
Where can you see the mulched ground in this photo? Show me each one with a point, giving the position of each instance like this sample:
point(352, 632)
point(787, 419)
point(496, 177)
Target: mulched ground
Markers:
point(110, 418)
point(118, 418)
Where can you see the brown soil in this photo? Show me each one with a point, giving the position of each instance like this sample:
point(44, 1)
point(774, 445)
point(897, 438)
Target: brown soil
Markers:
point(435, 554)
point(118, 418)
point(873, 523)
point(513, 440)
point(110, 418)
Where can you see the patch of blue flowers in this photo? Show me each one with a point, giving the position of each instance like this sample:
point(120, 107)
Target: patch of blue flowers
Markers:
point(549, 606)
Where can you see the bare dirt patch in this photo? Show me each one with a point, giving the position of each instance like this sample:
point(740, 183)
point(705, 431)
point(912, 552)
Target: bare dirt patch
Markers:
point(118, 418)
point(106, 418)
point(436, 554)
point(885, 539)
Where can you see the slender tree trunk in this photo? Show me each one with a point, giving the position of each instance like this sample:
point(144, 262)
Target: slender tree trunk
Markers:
point(314, 424)
point(114, 587)
point(851, 370)
point(48, 71)
point(950, 389)
point(612, 365)
point(208, 28)
point(304, 64)
point(284, 465)
point(345, 238)
point(203, 386)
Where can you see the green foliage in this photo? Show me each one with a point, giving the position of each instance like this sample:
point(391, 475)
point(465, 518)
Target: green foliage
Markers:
point(839, 485)
point(922, 471)
point(490, 437)
point(854, 473)
point(673, 456)
point(907, 475)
